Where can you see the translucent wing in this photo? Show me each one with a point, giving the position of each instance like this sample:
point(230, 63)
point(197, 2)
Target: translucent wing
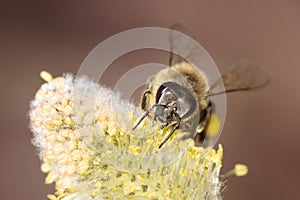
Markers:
point(183, 48)
point(244, 75)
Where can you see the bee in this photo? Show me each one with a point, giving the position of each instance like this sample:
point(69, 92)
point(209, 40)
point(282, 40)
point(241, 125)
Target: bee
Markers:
point(180, 96)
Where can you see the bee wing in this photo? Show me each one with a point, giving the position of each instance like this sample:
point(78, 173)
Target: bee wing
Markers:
point(183, 46)
point(244, 75)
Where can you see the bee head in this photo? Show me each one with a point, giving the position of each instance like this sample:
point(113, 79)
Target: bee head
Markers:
point(176, 98)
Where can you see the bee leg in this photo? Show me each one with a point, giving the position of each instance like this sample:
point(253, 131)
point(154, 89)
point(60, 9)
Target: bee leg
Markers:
point(144, 99)
point(145, 115)
point(199, 138)
point(203, 124)
point(175, 127)
point(170, 134)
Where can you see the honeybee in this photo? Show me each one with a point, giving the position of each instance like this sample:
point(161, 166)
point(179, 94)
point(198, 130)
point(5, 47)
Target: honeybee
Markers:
point(180, 96)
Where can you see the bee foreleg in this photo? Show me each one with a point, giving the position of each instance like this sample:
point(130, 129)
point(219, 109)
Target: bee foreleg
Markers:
point(144, 99)
point(175, 127)
point(145, 115)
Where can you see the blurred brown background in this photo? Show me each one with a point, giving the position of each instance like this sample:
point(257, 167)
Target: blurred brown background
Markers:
point(261, 129)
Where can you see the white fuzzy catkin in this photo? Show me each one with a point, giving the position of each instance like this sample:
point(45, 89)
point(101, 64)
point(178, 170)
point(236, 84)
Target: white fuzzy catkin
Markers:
point(83, 132)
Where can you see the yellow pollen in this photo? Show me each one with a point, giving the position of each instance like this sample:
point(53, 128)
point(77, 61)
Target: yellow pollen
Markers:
point(240, 170)
point(51, 197)
point(46, 76)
